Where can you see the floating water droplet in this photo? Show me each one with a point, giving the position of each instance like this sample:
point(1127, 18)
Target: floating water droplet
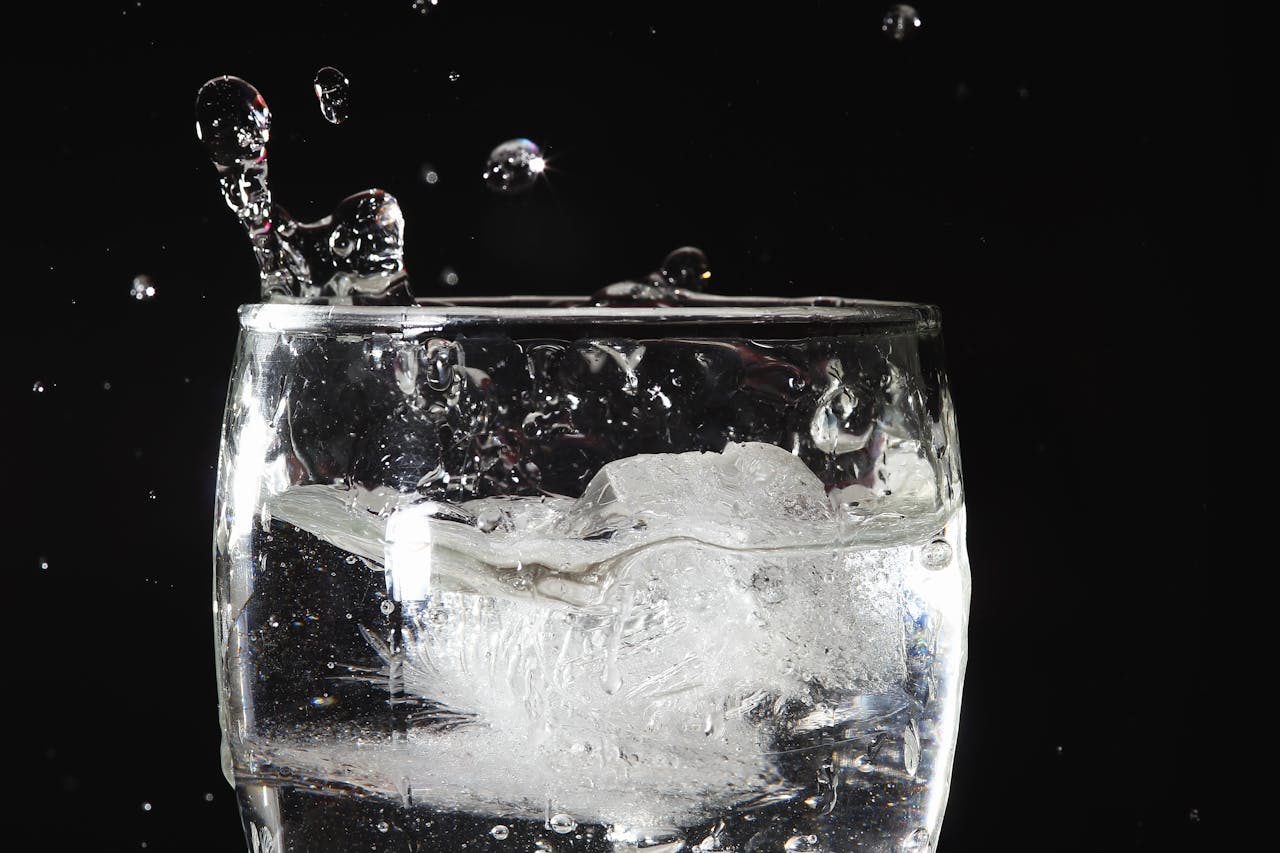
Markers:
point(449, 277)
point(143, 288)
point(146, 807)
point(37, 387)
point(208, 797)
point(454, 76)
point(900, 22)
point(333, 91)
point(429, 174)
point(916, 841)
point(686, 268)
point(562, 824)
point(801, 844)
point(387, 607)
point(44, 564)
point(514, 166)
point(422, 7)
point(500, 832)
point(233, 122)
point(936, 555)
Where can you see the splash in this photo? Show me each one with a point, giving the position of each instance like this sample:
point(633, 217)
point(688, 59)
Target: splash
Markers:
point(355, 255)
point(683, 273)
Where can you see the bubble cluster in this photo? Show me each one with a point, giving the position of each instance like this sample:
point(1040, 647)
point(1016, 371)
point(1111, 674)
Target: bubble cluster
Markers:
point(333, 91)
point(900, 22)
point(143, 288)
point(514, 166)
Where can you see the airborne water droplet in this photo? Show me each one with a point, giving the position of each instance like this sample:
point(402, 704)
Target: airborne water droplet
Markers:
point(333, 91)
point(900, 22)
point(233, 121)
point(686, 268)
point(429, 174)
point(143, 288)
point(514, 166)
point(449, 277)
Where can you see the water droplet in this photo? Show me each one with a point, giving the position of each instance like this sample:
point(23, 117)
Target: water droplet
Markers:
point(383, 826)
point(802, 844)
point(422, 7)
point(208, 797)
point(562, 824)
point(44, 564)
point(500, 832)
point(146, 807)
point(916, 841)
point(387, 607)
point(37, 387)
point(331, 664)
point(233, 122)
point(454, 76)
point(863, 764)
point(143, 288)
point(514, 166)
point(429, 174)
point(686, 268)
point(333, 91)
point(936, 555)
point(900, 22)
point(449, 277)
point(106, 386)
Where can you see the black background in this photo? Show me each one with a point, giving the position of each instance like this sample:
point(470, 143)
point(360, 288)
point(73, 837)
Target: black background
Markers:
point(1067, 181)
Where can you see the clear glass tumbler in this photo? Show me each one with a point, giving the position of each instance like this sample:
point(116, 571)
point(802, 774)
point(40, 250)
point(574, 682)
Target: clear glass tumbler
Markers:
point(533, 575)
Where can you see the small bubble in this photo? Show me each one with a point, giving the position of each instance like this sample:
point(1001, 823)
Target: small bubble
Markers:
point(143, 288)
point(44, 564)
point(208, 797)
point(331, 664)
point(514, 166)
point(146, 807)
point(900, 22)
point(863, 764)
point(801, 844)
point(918, 840)
point(333, 91)
point(429, 174)
point(422, 7)
point(387, 607)
point(449, 277)
point(686, 268)
point(352, 559)
point(106, 386)
point(37, 387)
point(562, 824)
point(1058, 749)
point(500, 832)
point(383, 826)
point(454, 76)
point(936, 555)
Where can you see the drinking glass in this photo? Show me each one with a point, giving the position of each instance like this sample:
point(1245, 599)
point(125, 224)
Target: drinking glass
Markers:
point(528, 574)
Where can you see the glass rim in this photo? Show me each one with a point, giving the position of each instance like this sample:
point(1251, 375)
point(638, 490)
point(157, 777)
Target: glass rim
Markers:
point(863, 316)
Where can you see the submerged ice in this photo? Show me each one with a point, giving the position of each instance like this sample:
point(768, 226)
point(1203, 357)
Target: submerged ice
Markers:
point(582, 650)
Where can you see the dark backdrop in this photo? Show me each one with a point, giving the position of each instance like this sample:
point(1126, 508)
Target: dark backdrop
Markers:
point(1048, 174)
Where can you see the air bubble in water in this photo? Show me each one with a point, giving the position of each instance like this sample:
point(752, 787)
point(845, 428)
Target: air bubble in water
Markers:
point(383, 826)
point(936, 555)
point(916, 841)
point(233, 122)
point(863, 764)
point(143, 288)
point(500, 832)
point(686, 268)
point(449, 277)
point(488, 519)
point(387, 606)
point(801, 844)
point(562, 824)
point(333, 91)
point(514, 166)
point(900, 22)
